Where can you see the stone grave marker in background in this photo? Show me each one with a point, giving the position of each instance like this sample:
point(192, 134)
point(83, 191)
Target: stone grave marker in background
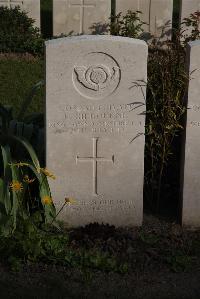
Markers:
point(187, 7)
point(156, 13)
point(95, 127)
point(80, 16)
point(32, 7)
point(191, 181)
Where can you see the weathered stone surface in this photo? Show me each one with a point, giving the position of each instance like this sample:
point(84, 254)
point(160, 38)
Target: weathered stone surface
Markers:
point(188, 7)
point(95, 125)
point(80, 16)
point(32, 7)
point(191, 182)
point(156, 13)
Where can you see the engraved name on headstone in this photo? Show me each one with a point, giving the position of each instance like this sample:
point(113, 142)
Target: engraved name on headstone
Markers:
point(80, 16)
point(95, 104)
point(32, 7)
point(156, 13)
point(191, 177)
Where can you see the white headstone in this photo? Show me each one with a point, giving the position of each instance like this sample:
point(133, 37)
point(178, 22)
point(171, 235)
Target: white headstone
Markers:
point(187, 7)
point(156, 13)
point(191, 182)
point(32, 7)
point(95, 127)
point(80, 16)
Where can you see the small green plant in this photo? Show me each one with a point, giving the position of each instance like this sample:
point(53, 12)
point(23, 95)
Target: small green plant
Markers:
point(18, 34)
point(19, 200)
point(129, 25)
point(29, 127)
point(193, 25)
point(24, 188)
point(179, 262)
point(31, 244)
point(166, 88)
point(149, 239)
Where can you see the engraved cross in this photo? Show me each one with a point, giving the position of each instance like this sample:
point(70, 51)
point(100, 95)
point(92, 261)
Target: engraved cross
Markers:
point(139, 8)
point(11, 3)
point(94, 159)
point(82, 7)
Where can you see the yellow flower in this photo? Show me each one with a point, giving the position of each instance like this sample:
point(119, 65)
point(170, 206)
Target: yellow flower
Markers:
point(70, 200)
point(47, 173)
point(16, 186)
point(47, 200)
point(27, 180)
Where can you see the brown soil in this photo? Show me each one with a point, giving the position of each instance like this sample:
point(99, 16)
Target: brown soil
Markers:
point(58, 283)
point(152, 277)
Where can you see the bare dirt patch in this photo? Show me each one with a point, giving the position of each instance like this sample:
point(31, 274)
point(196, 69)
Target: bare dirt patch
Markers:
point(163, 259)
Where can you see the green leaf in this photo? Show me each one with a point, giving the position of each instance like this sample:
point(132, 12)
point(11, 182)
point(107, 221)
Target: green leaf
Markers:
point(44, 190)
point(30, 150)
point(6, 160)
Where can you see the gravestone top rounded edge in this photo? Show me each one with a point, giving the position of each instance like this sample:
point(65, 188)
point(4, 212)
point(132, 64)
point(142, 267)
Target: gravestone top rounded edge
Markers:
point(93, 38)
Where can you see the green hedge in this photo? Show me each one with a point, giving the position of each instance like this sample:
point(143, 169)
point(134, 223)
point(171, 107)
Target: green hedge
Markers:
point(18, 34)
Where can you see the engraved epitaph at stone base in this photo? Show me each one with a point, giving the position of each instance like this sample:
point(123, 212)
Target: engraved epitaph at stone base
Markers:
point(157, 14)
point(191, 167)
point(95, 127)
point(32, 7)
point(80, 16)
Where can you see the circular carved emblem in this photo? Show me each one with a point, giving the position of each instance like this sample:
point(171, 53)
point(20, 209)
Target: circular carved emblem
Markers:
point(96, 75)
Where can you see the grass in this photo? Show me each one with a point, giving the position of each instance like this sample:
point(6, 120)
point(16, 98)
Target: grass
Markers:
point(17, 76)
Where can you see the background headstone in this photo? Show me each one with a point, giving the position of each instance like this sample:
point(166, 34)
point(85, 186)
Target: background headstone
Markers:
point(187, 7)
point(191, 181)
point(32, 7)
point(156, 13)
point(80, 16)
point(95, 127)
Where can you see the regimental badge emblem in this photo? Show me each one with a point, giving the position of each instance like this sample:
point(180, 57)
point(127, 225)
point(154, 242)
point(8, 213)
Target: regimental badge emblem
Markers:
point(96, 75)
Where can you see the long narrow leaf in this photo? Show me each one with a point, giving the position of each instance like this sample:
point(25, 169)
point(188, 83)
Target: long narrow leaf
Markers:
point(29, 99)
point(30, 150)
point(44, 190)
point(8, 166)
